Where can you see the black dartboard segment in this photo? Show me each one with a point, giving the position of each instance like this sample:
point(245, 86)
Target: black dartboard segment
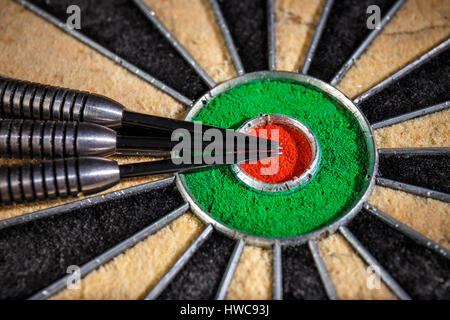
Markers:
point(201, 276)
point(301, 280)
point(35, 254)
point(422, 273)
point(426, 86)
point(119, 26)
point(345, 29)
point(431, 171)
point(247, 21)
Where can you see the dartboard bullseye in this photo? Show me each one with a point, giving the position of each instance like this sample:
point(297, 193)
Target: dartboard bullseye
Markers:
point(292, 169)
point(342, 181)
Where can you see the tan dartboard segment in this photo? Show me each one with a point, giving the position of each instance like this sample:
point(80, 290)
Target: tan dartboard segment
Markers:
point(424, 132)
point(427, 216)
point(350, 275)
point(296, 22)
point(253, 277)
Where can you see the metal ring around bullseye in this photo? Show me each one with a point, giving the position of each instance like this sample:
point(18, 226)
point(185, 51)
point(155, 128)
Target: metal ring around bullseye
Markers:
point(289, 185)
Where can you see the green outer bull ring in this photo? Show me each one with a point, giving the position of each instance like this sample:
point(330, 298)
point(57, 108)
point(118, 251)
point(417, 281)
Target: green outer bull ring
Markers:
point(322, 232)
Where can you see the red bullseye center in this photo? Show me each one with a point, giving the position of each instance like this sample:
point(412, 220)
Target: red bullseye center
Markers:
point(295, 160)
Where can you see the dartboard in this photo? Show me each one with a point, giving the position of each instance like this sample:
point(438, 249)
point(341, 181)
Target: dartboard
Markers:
point(369, 79)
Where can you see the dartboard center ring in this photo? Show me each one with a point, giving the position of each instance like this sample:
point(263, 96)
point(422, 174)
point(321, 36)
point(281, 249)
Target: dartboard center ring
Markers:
point(264, 176)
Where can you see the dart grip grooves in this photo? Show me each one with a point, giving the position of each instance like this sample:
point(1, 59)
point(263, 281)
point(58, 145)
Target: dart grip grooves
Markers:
point(28, 100)
point(56, 179)
point(54, 139)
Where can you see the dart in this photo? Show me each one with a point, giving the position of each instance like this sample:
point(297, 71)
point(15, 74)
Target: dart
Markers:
point(88, 175)
point(59, 139)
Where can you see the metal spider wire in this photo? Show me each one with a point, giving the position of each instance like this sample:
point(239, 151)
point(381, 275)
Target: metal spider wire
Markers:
point(231, 268)
point(227, 37)
point(411, 115)
point(150, 15)
point(240, 244)
point(442, 47)
point(271, 34)
point(317, 35)
point(415, 151)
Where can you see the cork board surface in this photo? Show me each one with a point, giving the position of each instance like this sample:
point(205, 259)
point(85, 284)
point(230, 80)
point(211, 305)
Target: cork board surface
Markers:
point(62, 60)
point(296, 23)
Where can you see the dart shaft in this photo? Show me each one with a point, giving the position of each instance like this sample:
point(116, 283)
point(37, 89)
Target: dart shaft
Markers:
point(154, 122)
point(194, 163)
point(141, 144)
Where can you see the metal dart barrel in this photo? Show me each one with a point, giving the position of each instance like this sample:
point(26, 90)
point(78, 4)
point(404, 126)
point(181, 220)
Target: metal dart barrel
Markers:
point(55, 139)
point(28, 100)
point(39, 181)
